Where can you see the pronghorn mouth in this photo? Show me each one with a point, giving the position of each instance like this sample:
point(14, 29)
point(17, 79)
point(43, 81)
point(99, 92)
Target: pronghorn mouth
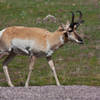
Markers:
point(78, 42)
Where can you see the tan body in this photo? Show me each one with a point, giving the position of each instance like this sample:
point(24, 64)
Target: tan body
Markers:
point(35, 42)
point(28, 40)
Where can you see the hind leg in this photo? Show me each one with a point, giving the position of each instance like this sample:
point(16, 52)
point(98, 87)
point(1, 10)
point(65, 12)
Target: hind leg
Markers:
point(5, 67)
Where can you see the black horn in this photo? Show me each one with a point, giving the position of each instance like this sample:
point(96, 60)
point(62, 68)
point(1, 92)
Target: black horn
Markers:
point(80, 17)
point(76, 23)
point(72, 21)
point(72, 17)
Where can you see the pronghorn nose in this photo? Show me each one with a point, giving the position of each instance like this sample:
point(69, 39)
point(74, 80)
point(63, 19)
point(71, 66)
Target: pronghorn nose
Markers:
point(81, 42)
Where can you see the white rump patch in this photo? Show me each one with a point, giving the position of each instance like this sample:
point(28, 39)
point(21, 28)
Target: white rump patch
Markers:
point(1, 32)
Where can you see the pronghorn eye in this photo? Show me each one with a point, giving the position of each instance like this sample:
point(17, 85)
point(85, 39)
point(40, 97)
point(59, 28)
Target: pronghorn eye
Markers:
point(66, 34)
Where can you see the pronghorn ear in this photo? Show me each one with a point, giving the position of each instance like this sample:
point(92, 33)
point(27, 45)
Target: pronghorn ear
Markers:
point(60, 28)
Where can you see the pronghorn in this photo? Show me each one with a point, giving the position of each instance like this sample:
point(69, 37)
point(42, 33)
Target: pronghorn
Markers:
point(36, 42)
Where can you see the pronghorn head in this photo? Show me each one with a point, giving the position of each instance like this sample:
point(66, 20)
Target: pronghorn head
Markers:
point(71, 29)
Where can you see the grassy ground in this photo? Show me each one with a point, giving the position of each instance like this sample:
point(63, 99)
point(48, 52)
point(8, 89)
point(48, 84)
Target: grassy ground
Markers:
point(75, 64)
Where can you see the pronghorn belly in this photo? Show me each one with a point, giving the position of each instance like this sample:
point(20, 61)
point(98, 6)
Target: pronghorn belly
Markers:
point(38, 54)
point(24, 46)
point(27, 47)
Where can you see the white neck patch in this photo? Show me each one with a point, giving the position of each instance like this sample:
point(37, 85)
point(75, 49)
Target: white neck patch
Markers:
point(49, 52)
point(62, 39)
point(48, 45)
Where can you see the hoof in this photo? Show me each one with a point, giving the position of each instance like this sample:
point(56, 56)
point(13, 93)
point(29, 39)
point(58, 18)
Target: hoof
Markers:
point(12, 85)
point(26, 85)
point(58, 84)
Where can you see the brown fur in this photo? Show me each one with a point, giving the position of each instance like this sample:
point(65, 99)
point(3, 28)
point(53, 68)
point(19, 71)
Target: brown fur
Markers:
point(38, 34)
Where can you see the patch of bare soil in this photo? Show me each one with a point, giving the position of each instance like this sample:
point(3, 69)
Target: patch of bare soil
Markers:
point(50, 93)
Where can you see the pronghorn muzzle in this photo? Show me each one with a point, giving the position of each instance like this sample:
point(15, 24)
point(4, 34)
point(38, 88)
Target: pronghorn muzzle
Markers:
point(79, 39)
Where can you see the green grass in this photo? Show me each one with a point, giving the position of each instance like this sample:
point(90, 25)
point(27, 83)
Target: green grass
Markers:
point(79, 64)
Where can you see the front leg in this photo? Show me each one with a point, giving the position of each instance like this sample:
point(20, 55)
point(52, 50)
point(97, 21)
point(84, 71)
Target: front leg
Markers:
point(32, 60)
point(51, 64)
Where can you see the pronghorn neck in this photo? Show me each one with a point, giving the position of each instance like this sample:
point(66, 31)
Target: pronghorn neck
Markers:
point(59, 36)
point(56, 40)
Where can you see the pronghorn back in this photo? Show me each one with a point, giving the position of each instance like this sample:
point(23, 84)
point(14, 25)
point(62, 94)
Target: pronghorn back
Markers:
point(20, 37)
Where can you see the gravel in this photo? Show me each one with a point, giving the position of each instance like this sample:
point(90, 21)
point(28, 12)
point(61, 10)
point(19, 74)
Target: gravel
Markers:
point(50, 93)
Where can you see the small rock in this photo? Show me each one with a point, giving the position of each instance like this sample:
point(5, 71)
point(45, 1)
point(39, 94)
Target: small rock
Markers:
point(50, 18)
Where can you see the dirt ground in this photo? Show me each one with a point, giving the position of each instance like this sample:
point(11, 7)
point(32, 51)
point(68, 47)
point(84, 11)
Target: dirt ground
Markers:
point(50, 93)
